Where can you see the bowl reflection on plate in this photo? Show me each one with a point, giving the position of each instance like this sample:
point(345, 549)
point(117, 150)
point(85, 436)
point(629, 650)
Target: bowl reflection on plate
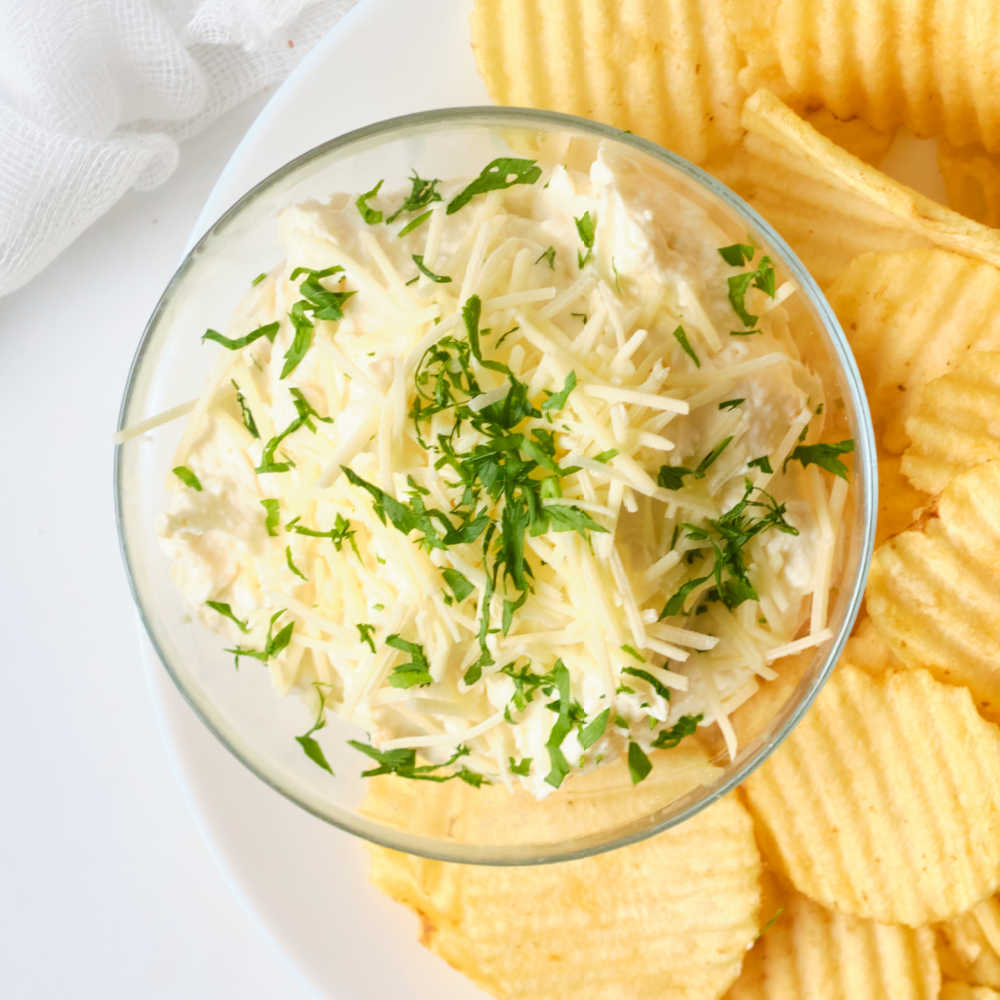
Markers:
point(242, 708)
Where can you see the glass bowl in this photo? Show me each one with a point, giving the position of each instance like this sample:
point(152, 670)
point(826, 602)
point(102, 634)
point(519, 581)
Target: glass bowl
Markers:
point(241, 708)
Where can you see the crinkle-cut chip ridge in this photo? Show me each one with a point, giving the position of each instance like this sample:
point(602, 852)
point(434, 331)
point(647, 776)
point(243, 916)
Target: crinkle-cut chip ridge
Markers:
point(956, 422)
point(810, 951)
point(932, 590)
point(972, 181)
point(664, 69)
point(972, 944)
point(670, 916)
point(890, 62)
point(911, 317)
point(884, 802)
point(768, 118)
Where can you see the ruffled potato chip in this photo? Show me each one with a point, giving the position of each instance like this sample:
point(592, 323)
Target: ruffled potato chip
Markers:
point(809, 951)
point(956, 423)
point(966, 991)
point(932, 590)
point(972, 181)
point(884, 802)
point(669, 916)
point(911, 317)
point(972, 944)
point(665, 70)
point(928, 66)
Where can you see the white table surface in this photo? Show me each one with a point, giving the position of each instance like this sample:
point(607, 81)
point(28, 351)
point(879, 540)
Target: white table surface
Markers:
point(107, 888)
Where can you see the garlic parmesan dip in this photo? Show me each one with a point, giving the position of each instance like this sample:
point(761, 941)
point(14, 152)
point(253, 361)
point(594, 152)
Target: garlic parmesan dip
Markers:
point(519, 474)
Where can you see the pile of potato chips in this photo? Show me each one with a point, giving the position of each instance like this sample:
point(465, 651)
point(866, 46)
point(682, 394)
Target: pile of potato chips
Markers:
point(863, 858)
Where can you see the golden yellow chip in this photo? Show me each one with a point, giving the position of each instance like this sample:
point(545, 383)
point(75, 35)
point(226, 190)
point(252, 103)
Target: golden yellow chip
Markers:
point(809, 951)
point(911, 317)
point(932, 590)
point(972, 944)
point(927, 66)
point(665, 69)
point(956, 423)
point(900, 504)
point(972, 181)
point(868, 650)
point(884, 802)
point(854, 135)
point(832, 206)
point(670, 916)
point(767, 118)
point(966, 991)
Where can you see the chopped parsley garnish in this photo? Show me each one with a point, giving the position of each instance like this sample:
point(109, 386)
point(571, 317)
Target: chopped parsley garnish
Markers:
point(671, 477)
point(441, 279)
point(740, 284)
point(260, 277)
point(526, 684)
point(666, 739)
point(321, 302)
point(823, 455)
point(311, 748)
point(414, 223)
point(658, 686)
point(248, 421)
point(367, 633)
point(561, 729)
point(272, 516)
point(557, 400)
point(273, 644)
point(737, 254)
point(705, 464)
point(187, 477)
point(549, 256)
point(422, 193)
point(727, 536)
point(340, 532)
point(522, 767)
point(501, 173)
point(639, 765)
point(416, 672)
point(681, 337)
point(763, 463)
point(731, 404)
point(634, 653)
point(372, 216)
point(403, 763)
point(268, 330)
point(594, 729)
point(290, 563)
point(606, 456)
point(304, 419)
point(585, 227)
point(458, 583)
point(742, 333)
point(227, 612)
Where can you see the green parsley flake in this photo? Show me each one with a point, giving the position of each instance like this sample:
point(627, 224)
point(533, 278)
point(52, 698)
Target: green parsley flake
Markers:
point(585, 227)
point(522, 767)
point(416, 672)
point(422, 193)
point(594, 729)
point(268, 330)
point(372, 216)
point(441, 279)
point(227, 612)
point(658, 686)
point(459, 583)
point(187, 477)
point(731, 404)
point(685, 726)
point(403, 763)
point(639, 765)
point(367, 633)
point(290, 563)
point(272, 516)
point(681, 337)
point(549, 256)
point(309, 746)
point(415, 223)
point(763, 463)
point(737, 254)
point(501, 173)
point(273, 644)
point(823, 455)
point(248, 421)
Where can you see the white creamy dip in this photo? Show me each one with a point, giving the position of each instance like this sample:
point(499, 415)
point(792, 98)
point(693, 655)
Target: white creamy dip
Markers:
point(582, 671)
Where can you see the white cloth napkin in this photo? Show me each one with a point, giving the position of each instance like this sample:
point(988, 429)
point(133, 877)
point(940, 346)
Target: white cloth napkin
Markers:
point(95, 96)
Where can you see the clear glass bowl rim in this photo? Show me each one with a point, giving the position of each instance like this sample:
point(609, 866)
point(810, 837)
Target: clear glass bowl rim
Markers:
point(865, 472)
